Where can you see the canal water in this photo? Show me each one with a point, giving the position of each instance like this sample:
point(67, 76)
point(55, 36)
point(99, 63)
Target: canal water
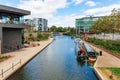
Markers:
point(57, 62)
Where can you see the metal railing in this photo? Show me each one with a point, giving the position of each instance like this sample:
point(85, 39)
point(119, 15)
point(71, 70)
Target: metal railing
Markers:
point(13, 65)
point(11, 21)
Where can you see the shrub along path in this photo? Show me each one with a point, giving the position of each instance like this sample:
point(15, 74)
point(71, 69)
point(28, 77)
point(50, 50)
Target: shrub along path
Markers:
point(110, 46)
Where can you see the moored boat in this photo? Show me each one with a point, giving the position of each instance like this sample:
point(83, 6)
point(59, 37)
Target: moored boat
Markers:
point(81, 53)
point(90, 60)
point(91, 56)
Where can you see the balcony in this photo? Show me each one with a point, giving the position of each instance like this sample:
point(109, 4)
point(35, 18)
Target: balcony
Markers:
point(13, 24)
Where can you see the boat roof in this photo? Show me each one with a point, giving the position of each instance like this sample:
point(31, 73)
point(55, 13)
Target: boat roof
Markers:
point(88, 48)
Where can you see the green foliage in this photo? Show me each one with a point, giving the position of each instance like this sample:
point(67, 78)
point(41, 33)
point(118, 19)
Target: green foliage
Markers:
point(42, 36)
point(53, 28)
point(113, 46)
point(107, 24)
point(2, 58)
point(38, 36)
point(30, 35)
point(95, 27)
point(115, 71)
point(60, 29)
point(66, 30)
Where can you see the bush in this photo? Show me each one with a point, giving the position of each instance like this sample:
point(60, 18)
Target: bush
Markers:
point(111, 45)
point(42, 36)
point(38, 36)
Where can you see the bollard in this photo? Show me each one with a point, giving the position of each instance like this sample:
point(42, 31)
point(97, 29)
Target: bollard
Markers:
point(100, 52)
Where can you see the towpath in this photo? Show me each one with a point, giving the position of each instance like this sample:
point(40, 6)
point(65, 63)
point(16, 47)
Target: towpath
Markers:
point(20, 58)
point(106, 61)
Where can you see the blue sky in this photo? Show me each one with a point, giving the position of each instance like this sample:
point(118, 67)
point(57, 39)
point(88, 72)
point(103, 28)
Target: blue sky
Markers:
point(64, 12)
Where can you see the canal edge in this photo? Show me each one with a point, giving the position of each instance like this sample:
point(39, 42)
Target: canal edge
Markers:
point(24, 63)
point(97, 73)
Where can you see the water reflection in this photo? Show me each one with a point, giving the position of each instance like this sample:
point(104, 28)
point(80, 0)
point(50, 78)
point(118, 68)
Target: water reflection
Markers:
point(81, 61)
point(56, 62)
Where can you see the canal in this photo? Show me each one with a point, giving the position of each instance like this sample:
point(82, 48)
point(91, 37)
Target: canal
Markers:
point(56, 62)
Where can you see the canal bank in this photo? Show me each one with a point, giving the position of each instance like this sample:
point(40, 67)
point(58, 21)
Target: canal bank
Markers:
point(20, 58)
point(106, 60)
point(58, 61)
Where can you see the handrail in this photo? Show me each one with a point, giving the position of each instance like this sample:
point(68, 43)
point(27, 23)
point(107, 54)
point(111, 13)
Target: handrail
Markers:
point(12, 67)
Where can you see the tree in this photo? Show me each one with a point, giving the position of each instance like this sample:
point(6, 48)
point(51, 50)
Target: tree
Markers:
point(60, 29)
point(53, 28)
point(95, 27)
point(115, 21)
point(107, 24)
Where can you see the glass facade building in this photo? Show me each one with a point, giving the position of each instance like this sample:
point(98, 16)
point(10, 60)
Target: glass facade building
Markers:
point(83, 24)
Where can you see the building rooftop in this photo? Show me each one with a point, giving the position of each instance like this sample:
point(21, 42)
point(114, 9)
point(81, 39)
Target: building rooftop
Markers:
point(11, 10)
point(90, 17)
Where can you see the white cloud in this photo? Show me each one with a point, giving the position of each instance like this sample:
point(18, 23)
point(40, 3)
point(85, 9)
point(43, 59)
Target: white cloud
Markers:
point(47, 9)
point(77, 1)
point(102, 11)
point(65, 21)
point(90, 3)
point(42, 8)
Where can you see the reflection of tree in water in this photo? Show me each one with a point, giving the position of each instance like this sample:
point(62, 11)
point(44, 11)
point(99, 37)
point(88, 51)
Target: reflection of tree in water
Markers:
point(91, 64)
point(81, 61)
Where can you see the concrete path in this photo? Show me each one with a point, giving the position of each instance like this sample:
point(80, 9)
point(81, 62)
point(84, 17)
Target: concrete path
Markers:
point(20, 58)
point(106, 60)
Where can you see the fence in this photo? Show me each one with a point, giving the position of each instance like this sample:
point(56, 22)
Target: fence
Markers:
point(11, 68)
point(116, 36)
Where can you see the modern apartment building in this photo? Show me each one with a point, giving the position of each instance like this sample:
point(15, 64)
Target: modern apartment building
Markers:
point(11, 28)
point(83, 24)
point(40, 24)
point(28, 22)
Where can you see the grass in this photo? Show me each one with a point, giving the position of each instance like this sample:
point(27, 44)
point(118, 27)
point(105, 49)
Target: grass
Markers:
point(111, 73)
point(116, 71)
point(2, 58)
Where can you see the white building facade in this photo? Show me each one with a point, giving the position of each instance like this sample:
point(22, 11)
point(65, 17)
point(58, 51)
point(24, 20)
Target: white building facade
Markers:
point(40, 24)
point(28, 22)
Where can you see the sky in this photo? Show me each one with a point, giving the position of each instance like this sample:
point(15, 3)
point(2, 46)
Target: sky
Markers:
point(64, 12)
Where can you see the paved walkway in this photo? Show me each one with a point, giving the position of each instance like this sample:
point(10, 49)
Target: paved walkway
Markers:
point(21, 57)
point(106, 60)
